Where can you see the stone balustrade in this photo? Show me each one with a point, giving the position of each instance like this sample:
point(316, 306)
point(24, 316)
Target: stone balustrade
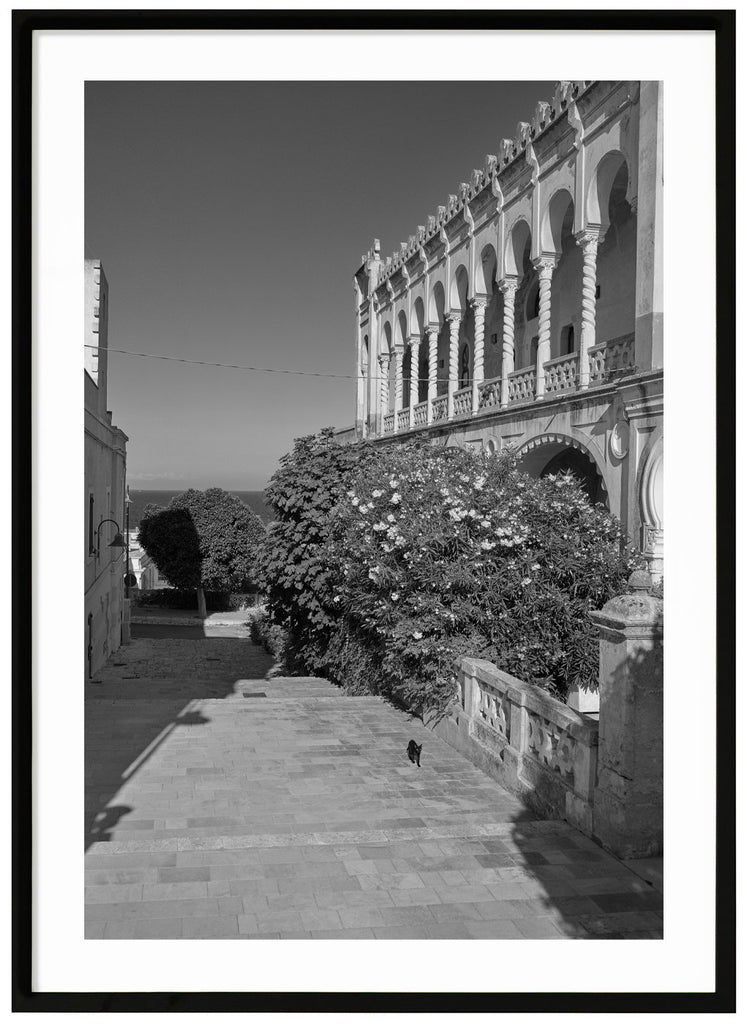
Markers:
point(463, 402)
point(616, 356)
point(561, 374)
point(403, 419)
point(522, 385)
point(438, 408)
point(534, 745)
point(387, 425)
point(489, 394)
point(420, 415)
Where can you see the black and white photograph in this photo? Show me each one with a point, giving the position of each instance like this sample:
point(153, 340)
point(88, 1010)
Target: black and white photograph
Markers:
point(373, 594)
point(366, 637)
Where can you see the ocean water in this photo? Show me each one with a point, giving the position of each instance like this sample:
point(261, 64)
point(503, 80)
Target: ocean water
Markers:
point(140, 498)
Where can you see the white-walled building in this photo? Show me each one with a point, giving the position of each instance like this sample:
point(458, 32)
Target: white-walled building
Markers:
point(528, 310)
point(105, 470)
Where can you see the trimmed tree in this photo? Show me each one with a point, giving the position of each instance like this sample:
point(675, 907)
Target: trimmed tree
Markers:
point(203, 540)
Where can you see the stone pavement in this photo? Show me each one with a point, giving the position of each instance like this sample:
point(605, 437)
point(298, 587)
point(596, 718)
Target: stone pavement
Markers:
point(220, 804)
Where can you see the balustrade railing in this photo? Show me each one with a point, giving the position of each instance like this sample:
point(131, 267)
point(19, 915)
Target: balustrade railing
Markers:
point(611, 357)
point(403, 419)
point(522, 385)
point(438, 408)
point(420, 414)
point(553, 749)
point(489, 393)
point(463, 402)
point(561, 374)
point(388, 423)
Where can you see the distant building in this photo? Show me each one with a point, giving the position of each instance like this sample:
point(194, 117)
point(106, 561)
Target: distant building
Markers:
point(143, 567)
point(527, 312)
point(105, 469)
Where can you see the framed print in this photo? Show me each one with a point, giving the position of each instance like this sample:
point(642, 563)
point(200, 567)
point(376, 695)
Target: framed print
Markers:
point(369, 614)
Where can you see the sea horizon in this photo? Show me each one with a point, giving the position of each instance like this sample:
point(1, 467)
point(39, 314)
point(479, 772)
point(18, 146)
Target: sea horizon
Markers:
point(142, 496)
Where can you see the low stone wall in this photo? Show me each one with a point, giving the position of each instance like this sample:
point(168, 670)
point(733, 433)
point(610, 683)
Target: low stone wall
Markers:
point(535, 746)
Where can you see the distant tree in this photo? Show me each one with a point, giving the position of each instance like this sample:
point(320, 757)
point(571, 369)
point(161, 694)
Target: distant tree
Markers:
point(203, 540)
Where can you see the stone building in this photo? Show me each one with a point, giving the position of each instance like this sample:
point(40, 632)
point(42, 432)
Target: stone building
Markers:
point(105, 467)
point(528, 310)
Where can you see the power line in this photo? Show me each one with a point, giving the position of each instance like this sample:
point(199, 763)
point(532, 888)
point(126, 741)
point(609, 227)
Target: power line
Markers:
point(257, 369)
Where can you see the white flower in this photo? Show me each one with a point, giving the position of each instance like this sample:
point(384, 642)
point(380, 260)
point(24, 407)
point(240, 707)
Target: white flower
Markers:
point(350, 494)
point(394, 484)
point(377, 494)
point(390, 518)
point(379, 526)
point(487, 545)
point(535, 567)
point(485, 523)
point(480, 483)
point(395, 499)
point(417, 636)
point(355, 500)
point(526, 581)
point(395, 597)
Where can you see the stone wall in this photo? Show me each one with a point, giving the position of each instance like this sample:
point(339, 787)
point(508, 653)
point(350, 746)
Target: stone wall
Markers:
point(535, 746)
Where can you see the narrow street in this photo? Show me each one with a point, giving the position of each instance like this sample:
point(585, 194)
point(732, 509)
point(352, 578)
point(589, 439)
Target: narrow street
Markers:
point(221, 804)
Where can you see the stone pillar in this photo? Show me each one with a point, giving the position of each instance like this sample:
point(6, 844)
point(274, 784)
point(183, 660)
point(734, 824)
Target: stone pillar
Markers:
point(628, 798)
point(383, 389)
point(414, 375)
point(545, 266)
point(432, 336)
point(397, 385)
point(453, 320)
point(648, 206)
point(478, 372)
point(508, 288)
point(588, 240)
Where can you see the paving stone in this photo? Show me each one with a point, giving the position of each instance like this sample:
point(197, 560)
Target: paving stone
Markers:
point(209, 927)
point(299, 816)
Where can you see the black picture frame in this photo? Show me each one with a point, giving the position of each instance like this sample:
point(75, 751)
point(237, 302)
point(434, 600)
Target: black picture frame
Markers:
point(723, 999)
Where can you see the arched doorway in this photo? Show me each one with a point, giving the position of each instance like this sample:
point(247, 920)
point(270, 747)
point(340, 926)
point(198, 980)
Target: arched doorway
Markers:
point(550, 457)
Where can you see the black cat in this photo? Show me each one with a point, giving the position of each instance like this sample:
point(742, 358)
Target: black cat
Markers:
point(413, 752)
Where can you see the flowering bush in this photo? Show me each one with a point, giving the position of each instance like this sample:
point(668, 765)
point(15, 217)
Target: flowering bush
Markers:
point(429, 554)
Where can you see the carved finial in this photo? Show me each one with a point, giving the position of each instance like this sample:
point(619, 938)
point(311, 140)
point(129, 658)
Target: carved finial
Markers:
point(640, 580)
point(507, 149)
point(376, 247)
point(541, 116)
point(490, 165)
point(431, 222)
point(523, 128)
point(560, 97)
point(441, 212)
point(421, 232)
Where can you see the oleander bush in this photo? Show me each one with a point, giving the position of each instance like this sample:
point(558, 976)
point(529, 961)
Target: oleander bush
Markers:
point(387, 563)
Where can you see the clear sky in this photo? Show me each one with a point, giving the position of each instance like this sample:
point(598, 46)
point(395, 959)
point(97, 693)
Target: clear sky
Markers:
point(230, 217)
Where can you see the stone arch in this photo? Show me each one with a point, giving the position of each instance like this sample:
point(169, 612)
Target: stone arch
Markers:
point(485, 271)
point(387, 336)
point(554, 453)
point(556, 214)
point(436, 304)
point(459, 289)
point(417, 319)
point(402, 332)
point(600, 188)
point(516, 245)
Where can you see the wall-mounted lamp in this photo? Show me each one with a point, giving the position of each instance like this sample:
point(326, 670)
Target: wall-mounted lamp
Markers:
point(118, 541)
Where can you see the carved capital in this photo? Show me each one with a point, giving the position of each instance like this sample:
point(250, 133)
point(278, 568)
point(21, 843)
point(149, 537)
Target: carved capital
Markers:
point(479, 303)
point(453, 318)
point(589, 238)
point(508, 286)
point(545, 265)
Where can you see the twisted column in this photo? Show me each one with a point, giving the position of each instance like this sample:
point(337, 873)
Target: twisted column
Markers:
point(453, 320)
point(414, 375)
point(545, 266)
point(478, 372)
point(432, 336)
point(397, 384)
point(383, 388)
point(508, 289)
point(589, 241)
